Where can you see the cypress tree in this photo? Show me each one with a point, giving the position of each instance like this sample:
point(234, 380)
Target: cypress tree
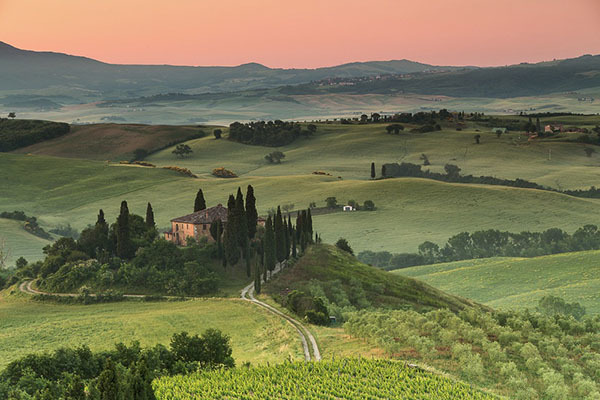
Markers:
point(287, 239)
point(230, 240)
point(372, 170)
point(269, 246)
point(251, 213)
point(294, 244)
point(242, 222)
point(141, 385)
point(298, 226)
point(199, 203)
point(123, 233)
point(257, 276)
point(279, 236)
point(383, 170)
point(108, 382)
point(150, 217)
point(538, 125)
point(309, 225)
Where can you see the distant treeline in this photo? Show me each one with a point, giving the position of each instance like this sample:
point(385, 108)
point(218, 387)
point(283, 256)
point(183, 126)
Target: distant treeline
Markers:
point(31, 225)
point(271, 133)
point(19, 133)
point(489, 243)
point(395, 170)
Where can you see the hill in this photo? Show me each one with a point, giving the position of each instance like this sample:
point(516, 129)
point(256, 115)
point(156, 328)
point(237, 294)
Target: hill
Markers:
point(67, 79)
point(317, 380)
point(114, 141)
point(516, 283)
point(256, 335)
point(346, 282)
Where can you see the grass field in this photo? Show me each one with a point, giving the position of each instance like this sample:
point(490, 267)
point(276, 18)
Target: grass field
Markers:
point(19, 242)
point(518, 282)
point(27, 326)
point(409, 211)
point(111, 141)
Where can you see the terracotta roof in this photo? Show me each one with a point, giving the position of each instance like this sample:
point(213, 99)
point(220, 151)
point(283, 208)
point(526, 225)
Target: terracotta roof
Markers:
point(204, 216)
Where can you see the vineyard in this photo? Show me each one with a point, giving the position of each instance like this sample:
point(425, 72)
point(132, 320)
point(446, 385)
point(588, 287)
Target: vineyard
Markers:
point(336, 379)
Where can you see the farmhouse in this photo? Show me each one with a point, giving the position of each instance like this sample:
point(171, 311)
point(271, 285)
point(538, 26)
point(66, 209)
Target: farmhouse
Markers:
point(197, 225)
point(349, 208)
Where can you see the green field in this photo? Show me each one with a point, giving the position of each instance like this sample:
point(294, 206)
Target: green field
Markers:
point(28, 326)
point(518, 282)
point(20, 242)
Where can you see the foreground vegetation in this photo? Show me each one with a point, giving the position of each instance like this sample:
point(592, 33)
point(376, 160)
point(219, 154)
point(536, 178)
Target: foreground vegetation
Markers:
point(524, 355)
point(339, 379)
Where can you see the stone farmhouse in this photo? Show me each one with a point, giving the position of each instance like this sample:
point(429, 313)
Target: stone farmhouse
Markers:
point(197, 225)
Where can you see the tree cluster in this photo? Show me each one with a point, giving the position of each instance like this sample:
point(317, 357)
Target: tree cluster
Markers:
point(271, 133)
point(30, 223)
point(490, 243)
point(122, 373)
point(17, 133)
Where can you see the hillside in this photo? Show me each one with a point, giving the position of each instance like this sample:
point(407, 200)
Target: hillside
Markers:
point(67, 79)
point(517, 283)
point(114, 142)
point(336, 272)
point(256, 335)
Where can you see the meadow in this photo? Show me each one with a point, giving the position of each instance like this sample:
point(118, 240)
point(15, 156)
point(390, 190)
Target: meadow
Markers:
point(409, 211)
point(32, 327)
point(517, 283)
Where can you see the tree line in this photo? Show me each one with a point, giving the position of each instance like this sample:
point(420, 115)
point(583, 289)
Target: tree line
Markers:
point(489, 243)
point(269, 133)
point(452, 174)
point(126, 372)
point(17, 133)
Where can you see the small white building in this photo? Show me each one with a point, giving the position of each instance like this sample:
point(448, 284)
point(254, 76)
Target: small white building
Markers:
point(349, 208)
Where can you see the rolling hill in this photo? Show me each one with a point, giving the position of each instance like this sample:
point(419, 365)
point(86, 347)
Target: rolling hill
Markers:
point(517, 283)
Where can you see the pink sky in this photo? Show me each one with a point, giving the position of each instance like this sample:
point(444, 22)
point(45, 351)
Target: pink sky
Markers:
point(305, 33)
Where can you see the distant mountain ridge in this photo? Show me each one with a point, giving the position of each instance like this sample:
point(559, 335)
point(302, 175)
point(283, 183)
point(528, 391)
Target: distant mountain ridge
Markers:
point(32, 70)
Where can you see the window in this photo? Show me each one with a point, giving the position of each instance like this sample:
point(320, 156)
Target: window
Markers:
point(203, 227)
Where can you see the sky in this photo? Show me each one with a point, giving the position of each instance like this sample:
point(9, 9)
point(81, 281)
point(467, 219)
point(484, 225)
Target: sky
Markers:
point(305, 33)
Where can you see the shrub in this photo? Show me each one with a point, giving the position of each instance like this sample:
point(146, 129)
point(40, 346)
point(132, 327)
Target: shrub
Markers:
point(342, 244)
point(182, 171)
point(221, 172)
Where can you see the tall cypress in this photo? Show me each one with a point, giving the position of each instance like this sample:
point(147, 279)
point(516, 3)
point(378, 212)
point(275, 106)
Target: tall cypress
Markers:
point(372, 170)
point(123, 232)
point(257, 276)
point(287, 239)
point(251, 213)
point(108, 382)
point(242, 222)
point(294, 245)
point(230, 240)
point(269, 246)
point(279, 236)
point(309, 224)
point(150, 217)
point(199, 203)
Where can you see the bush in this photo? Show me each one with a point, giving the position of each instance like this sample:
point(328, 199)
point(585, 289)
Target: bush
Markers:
point(221, 172)
point(342, 244)
point(182, 171)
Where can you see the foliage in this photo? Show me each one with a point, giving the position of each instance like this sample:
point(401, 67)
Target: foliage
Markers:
point(336, 379)
point(125, 372)
point(275, 157)
point(182, 171)
point(17, 133)
point(182, 150)
point(552, 305)
point(342, 244)
point(31, 225)
point(522, 354)
point(221, 172)
point(491, 243)
point(271, 133)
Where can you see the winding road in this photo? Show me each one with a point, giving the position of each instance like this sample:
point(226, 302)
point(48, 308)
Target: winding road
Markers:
point(309, 344)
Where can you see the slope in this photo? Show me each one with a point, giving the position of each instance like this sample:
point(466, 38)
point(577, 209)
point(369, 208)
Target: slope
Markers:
point(518, 282)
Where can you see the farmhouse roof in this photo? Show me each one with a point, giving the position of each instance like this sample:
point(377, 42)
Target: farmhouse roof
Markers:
point(206, 216)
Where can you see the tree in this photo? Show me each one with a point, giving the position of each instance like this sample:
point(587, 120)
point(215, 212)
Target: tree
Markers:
point(312, 128)
point(109, 383)
point(369, 205)
point(150, 217)
point(331, 202)
point(452, 171)
point(251, 212)
point(140, 154)
point(12, 115)
point(538, 125)
point(279, 236)
point(199, 202)
point(372, 170)
point(275, 157)
point(217, 133)
point(375, 117)
point(21, 262)
point(342, 244)
point(589, 151)
point(124, 246)
point(241, 220)
point(182, 150)
point(425, 159)
point(269, 245)
point(230, 242)
point(383, 170)
point(257, 276)
point(477, 138)
point(216, 231)
point(364, 118)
